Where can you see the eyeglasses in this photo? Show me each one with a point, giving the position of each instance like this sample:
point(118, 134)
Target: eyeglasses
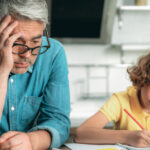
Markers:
point(21, 48)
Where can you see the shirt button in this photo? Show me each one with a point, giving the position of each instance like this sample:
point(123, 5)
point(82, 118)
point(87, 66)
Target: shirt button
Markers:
point(12, 108)
point(11, 80)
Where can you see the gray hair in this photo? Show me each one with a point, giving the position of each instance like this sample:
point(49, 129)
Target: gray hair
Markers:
point(25, 9)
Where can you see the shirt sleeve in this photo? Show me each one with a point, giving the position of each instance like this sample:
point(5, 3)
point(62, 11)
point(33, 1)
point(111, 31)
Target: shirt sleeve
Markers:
point(112, 109)
point(55, 106)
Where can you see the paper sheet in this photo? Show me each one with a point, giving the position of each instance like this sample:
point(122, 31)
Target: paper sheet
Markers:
point(132, 148)
point(75, 146)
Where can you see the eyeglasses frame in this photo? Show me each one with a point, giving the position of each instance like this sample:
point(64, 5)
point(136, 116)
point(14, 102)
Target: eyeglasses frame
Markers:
point(32, 49)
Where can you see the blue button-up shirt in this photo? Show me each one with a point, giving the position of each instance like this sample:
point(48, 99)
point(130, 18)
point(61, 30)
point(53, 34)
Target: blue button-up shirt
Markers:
point(39, 98)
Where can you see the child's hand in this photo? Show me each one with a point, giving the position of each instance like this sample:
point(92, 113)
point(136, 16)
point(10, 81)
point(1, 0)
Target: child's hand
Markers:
point(138, 138)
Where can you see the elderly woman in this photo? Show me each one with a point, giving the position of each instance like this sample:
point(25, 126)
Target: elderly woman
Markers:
point(136, 100)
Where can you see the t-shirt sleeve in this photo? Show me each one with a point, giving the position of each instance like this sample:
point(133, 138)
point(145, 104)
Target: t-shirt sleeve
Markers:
point(111, 109)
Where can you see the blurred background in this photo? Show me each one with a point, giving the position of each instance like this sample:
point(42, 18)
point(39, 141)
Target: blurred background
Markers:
point(101, 38)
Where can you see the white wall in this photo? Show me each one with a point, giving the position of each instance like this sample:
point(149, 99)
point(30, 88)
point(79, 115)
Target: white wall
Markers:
point(82, 109)
point(100, 88)
point(101, 54)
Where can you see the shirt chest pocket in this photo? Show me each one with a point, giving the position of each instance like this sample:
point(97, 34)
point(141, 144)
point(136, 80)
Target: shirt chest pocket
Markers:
point(30, 111)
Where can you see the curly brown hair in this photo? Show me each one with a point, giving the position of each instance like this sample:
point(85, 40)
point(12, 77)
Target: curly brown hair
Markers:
point(140, 74)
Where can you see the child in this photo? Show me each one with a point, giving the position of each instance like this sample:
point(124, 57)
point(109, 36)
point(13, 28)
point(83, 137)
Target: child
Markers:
point(136, 100)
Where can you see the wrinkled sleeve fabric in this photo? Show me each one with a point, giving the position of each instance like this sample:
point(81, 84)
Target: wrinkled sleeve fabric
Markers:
point(55, 106)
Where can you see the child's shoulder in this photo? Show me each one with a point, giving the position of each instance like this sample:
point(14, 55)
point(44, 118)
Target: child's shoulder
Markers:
point(125, 96)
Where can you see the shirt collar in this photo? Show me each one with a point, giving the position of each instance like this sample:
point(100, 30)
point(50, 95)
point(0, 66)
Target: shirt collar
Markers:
point(30, 69)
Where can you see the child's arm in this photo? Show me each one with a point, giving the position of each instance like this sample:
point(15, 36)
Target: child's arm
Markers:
point(92, 132)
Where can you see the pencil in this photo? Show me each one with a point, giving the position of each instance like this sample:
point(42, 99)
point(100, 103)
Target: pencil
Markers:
point(134, 119)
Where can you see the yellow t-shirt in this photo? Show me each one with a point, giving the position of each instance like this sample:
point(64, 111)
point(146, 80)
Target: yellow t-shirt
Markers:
point(113, 110)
